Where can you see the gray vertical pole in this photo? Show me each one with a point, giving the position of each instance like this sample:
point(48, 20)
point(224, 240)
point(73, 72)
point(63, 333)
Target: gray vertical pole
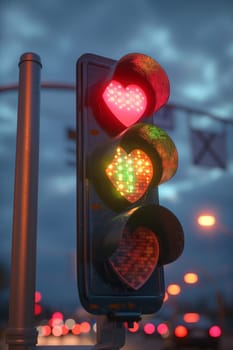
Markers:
point(21, 334)
point(110, 334)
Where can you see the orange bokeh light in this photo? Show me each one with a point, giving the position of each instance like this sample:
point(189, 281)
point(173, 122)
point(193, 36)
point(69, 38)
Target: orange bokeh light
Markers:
point(165, 297)
point(180, 331)
point(173, 289)
point(191, 317)
point(206, 220)
point(76, 329)
point(190, 278)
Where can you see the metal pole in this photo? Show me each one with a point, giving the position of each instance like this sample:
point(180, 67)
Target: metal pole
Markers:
point(21, 334)
point(110, 334)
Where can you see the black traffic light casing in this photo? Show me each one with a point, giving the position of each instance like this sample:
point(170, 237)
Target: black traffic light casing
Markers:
point(112, 226)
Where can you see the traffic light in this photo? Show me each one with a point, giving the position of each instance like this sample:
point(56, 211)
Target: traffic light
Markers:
point(124, 235)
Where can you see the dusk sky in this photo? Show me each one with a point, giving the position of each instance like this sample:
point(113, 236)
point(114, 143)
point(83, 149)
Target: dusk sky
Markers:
point(193, 41)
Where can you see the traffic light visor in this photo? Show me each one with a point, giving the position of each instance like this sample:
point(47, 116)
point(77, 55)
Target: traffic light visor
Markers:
point(136, 87)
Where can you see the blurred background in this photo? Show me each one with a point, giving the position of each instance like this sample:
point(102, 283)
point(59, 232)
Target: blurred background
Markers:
point(193, 41)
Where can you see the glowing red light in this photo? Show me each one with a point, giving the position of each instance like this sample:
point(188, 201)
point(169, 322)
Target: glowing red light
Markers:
point(57, 315)
point(37, 309)
point(65, 329)
point(180, 331)
point(136, 257)
point(85, 327)
point(76, 329)
point(134, 328)
point(215, 331)
point(149, 328)
point(45, 331)
point(126, 103)
point(38, 297)
point(162, 329)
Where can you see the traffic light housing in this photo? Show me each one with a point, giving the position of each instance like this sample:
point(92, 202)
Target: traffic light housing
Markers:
point(124, 235)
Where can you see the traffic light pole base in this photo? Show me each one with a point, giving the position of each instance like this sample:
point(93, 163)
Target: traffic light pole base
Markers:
point(110, 334)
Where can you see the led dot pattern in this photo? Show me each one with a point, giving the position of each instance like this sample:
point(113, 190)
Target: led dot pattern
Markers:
point(130, 173)
point(126, 103)
point(136, 257)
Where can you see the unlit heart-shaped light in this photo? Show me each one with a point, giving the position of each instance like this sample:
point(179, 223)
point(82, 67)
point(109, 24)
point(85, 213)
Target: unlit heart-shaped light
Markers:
point(126, 103)
point(136, 257)
point(130, 173)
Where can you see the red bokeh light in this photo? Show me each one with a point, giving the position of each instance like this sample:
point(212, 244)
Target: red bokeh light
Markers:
point(37, 309)
point(162, 329)
point(85, 327)
point(134, 328)
point(38, 297)
point(149, 328)
point(45, 331)
point(57, 315)
point(65, 329)
point(76, 329)
point(215, 331)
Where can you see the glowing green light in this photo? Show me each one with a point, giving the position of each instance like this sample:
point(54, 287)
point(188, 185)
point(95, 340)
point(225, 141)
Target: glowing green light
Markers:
point(132, 178)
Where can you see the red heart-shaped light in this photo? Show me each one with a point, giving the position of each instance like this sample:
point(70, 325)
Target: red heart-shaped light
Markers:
point(130, 173)
point(136, 257)
point(126, 103)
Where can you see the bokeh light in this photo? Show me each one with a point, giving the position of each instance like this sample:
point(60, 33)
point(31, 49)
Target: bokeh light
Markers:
point(180, 331)
point(173, 289)
point(191, 317)
point(149, 328)
point(85, 327)
point(206, 220)
point(163, 329)
point(190, 278)
point(38, 297)
point(215, 331)
point(134, 328)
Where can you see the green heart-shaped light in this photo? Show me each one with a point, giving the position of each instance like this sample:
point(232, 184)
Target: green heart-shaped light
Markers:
point(130, 173)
